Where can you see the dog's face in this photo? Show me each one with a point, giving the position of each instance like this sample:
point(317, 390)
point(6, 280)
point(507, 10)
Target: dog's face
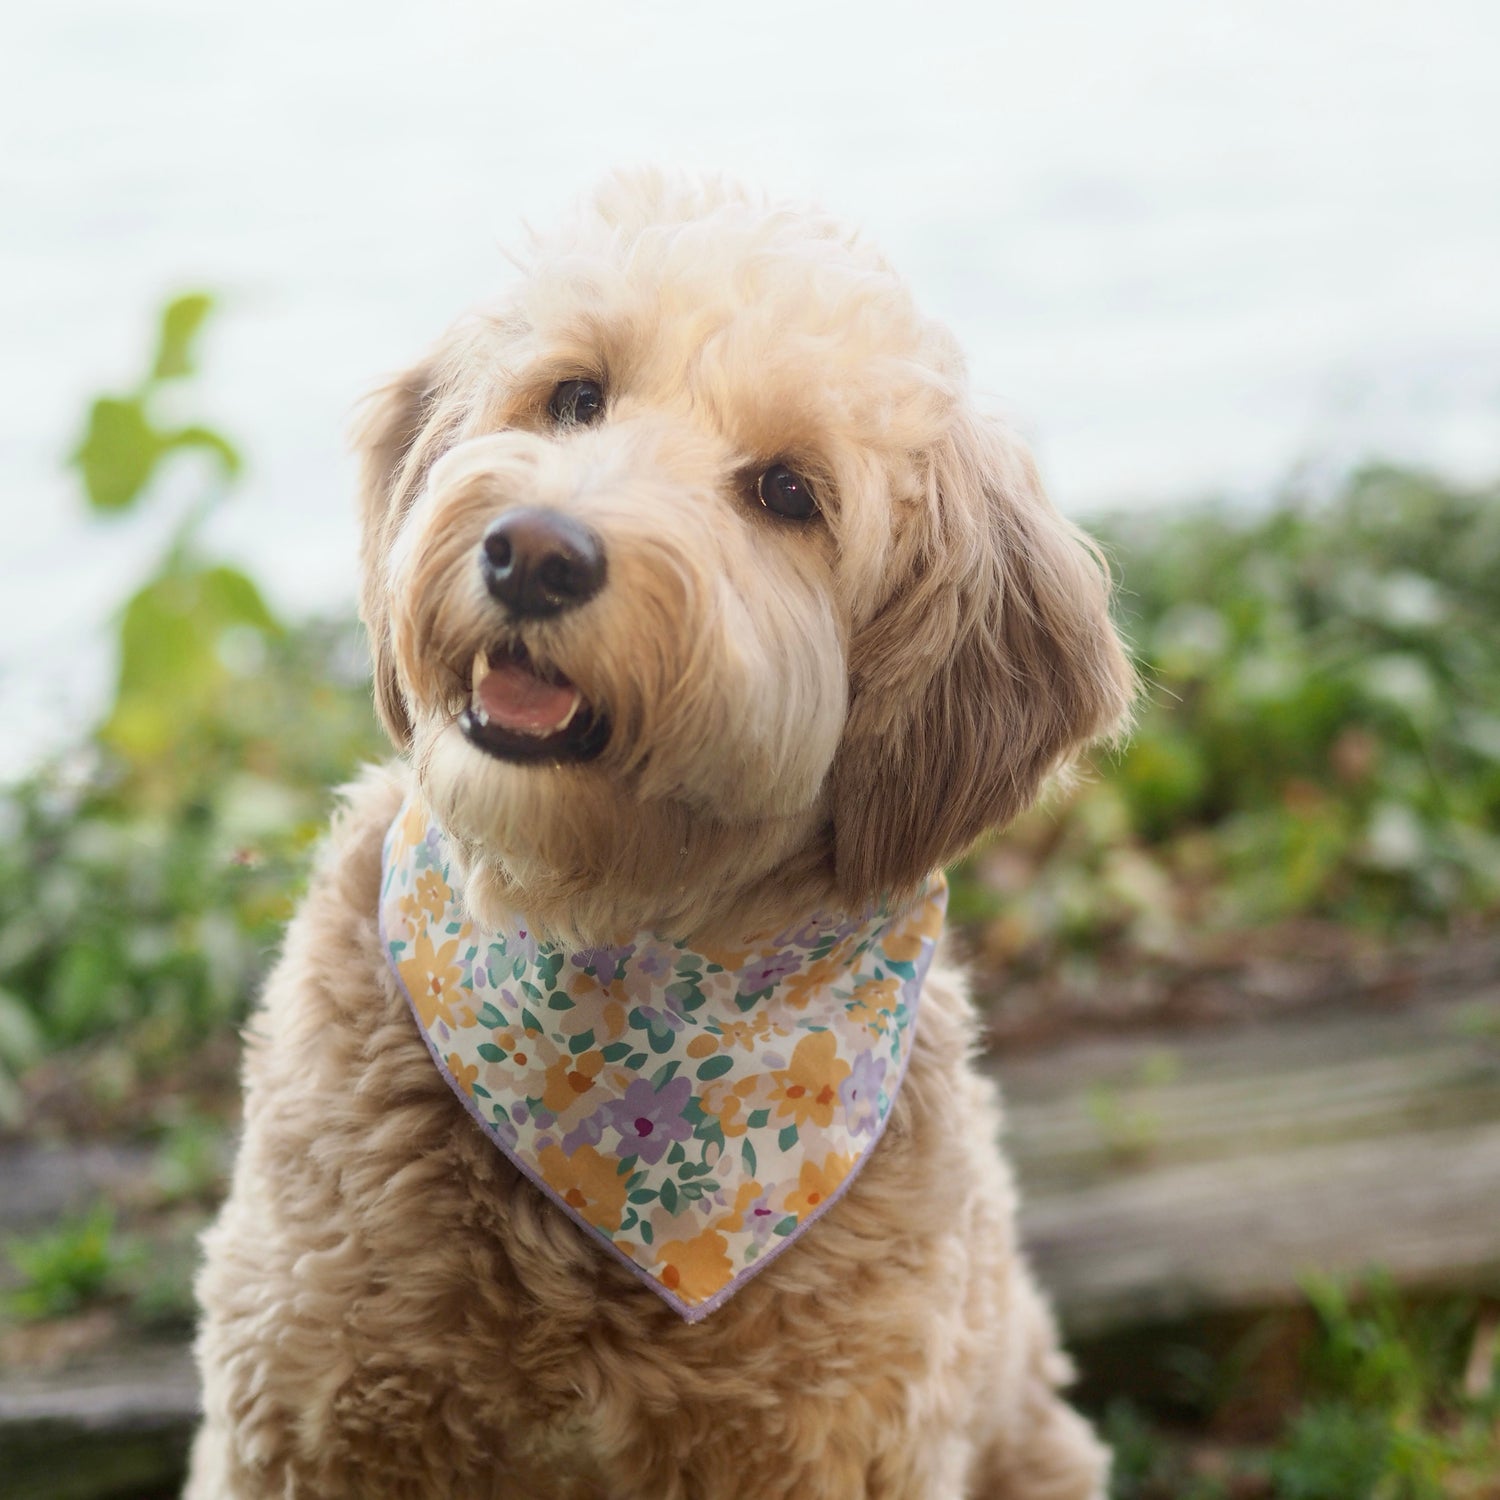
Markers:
point(690, 573)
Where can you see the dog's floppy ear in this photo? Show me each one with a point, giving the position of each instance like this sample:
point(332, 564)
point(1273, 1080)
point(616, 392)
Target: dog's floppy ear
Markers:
point(386, 434)
point(991, 663)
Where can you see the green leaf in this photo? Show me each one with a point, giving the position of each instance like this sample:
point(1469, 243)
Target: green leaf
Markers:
point(529, 1021)
point(173, 678)
point(757, 1118)
point(788, 1138)
point(615, 1051)
point(647, 1233)
point(786, 1225)
point(210, 442)
point(669, 1196)
point(715, 1067)
point(747, 1155)
point(581, 1043)
point(490, 1052)
point(664, 1074)
point(181, 320)
point(118, 452)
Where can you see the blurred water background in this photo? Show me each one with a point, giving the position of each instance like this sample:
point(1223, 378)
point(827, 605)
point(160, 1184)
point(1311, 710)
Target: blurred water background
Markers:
point(1190, 248)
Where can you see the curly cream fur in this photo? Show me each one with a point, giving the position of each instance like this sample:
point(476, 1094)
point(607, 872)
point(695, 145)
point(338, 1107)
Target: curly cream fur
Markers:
point(802, 715)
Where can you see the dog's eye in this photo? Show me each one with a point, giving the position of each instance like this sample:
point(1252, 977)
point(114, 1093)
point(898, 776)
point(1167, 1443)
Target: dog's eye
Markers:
point(577, 402)
point(786, 493)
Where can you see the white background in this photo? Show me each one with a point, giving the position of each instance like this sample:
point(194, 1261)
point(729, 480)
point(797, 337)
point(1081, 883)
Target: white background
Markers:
point(1191, 246)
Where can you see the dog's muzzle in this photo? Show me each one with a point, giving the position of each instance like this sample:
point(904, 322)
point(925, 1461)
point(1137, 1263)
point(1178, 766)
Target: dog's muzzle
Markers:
point(539, 562)
point(536, 564)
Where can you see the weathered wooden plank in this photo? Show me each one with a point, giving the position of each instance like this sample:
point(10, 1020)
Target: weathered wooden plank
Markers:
point(1169, 1176)
point(118, 1424)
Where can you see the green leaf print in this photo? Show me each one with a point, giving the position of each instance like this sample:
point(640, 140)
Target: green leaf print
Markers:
point(669, 1196)
point(715, 1067)
point(581, 1043)
point(788, 1138)
point(490, 1052)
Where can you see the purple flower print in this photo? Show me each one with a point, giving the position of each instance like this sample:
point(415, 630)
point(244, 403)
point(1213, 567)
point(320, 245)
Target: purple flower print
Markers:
point(761, 1219)
point(657, 961)
point(860, 1092)
point(649, 1119)
point(603, 961)
point(589, 1131)
point(764, 972)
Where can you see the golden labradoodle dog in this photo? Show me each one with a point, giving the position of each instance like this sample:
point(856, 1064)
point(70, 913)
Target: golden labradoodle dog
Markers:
point(610, 1130)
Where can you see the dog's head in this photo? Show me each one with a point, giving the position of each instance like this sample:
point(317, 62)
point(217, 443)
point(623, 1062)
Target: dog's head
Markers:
point(692, 577)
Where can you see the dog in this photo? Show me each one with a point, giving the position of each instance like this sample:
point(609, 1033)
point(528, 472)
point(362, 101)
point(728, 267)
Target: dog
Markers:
point(711, 619)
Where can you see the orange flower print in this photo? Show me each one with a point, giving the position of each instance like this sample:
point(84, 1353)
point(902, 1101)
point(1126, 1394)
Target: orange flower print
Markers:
point(569, 1079)
point(465, 1075)
point(871, 998)
point(433, 894)
point(803, 985)
point(587, 1182)
point(727, 1104)
point(816, 1185)
point(414, 823)
point(727, 958)
point(747, 1033)
point(432, 979)
point(697, 1268)
point(809, 1089)
point(904, 941)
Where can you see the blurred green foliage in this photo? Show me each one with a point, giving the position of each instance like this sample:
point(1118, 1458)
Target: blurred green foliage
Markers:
point(1319, 735)
point(1395, 1400)
point(69, 1265)
point(146, 874)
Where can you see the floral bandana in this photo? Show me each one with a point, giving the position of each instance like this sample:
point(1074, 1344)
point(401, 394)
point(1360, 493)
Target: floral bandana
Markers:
point(694, 1109)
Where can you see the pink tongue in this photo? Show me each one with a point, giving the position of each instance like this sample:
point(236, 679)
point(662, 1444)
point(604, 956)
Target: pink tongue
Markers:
point(517, 699)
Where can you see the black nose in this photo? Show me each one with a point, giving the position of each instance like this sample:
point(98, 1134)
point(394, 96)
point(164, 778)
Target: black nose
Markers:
point(537, 562)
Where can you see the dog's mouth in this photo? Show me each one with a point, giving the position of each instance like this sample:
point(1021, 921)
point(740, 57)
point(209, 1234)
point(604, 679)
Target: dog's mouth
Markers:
point(523, 710)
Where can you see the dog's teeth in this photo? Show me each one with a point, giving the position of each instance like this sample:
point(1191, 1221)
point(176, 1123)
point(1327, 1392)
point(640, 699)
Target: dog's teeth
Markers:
point(480, 671)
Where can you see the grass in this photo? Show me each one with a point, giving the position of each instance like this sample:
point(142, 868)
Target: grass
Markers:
point(1390, 1399)
point(69, 1266)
